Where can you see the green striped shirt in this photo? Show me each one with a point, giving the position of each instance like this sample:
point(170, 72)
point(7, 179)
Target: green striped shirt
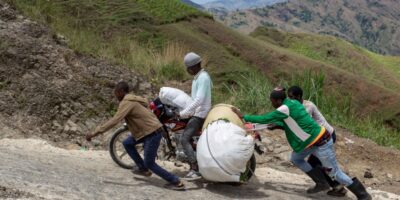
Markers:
point(300, 129)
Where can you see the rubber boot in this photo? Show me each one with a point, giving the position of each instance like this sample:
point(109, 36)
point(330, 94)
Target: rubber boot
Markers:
point(359, 190)
point(318, 177)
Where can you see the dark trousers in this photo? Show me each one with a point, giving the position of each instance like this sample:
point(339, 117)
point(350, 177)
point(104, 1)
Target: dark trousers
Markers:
point(150, 145)
point(193, 126)
point(315, 162)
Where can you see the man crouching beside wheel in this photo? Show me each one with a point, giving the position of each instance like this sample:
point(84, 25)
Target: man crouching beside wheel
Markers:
point(145, 128)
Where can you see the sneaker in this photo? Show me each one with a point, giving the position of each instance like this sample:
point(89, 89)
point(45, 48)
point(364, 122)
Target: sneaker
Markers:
point(141, 172)
point(192, 175)
point(175, 186)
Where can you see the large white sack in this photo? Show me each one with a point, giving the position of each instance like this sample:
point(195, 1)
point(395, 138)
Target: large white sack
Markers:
point(223, 151)
point(175, 97)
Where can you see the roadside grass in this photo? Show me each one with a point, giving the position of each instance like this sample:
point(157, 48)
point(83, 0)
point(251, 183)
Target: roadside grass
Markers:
point(250, 92)
point(107, 29)
point(337, 109)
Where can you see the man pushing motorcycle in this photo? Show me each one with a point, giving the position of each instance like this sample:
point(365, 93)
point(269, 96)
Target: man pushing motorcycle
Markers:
point(145, 128)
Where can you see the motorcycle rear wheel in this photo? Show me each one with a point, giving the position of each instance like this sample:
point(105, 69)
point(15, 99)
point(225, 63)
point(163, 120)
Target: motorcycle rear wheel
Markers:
point(119, 154)
point(117, 150)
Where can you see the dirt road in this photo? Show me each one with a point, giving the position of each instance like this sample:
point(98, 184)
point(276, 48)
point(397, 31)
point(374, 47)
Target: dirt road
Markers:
point(33, 169)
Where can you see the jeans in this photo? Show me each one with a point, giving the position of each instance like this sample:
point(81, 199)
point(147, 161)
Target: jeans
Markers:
point(326, 154)
point(150, 145)
point(192, 127)
point(314, 161)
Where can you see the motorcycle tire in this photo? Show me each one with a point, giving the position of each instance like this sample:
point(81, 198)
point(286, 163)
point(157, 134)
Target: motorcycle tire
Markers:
point(117, 152)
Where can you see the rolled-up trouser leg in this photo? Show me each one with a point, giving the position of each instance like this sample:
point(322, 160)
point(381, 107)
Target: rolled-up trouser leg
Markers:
point(327, 156)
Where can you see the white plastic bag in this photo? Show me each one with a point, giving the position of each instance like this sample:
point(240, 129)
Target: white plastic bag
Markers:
point(223, 151)
point(175, 97)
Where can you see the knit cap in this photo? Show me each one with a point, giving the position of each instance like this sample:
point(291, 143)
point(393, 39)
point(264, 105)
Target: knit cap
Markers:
point(191, 59)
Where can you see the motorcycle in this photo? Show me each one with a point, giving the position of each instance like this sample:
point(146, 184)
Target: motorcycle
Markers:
point(170, 145)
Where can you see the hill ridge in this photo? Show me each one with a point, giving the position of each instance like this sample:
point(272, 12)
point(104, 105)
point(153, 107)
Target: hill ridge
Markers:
point(371, 24)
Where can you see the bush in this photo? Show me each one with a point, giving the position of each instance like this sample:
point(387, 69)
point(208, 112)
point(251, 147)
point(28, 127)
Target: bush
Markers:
point(249, 91)
point(172, 71)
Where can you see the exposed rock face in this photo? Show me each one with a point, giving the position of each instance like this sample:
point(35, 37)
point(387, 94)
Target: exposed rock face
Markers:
point(47, 89)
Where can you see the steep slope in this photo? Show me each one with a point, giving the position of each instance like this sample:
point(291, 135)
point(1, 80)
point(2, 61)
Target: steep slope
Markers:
point(47, 89)
point(280, 62)
point(381, 70)
point(369, 23)
point(140, 33)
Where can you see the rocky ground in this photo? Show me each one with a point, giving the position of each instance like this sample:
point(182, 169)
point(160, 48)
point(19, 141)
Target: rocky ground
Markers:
point(55, 95)
point(49, 91)
point(377, 166)
point(33, 169)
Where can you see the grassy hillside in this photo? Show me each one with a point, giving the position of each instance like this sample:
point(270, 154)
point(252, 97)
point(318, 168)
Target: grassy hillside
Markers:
point(369, 23)
point(153, 38)
point(382, 70)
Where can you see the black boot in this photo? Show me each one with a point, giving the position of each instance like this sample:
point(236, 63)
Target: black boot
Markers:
point(359, 190)
point(318, 177)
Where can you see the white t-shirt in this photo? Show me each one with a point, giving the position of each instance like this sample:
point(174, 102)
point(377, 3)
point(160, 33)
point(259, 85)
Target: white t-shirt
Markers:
point(312, 109)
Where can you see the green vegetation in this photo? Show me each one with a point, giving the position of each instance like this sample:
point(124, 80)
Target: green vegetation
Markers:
point(152, 37)
point(391, 62)
point(339, 53)
point(121, 31)
point(250, 93)
point(117, 12)
point(381, 70)
point(171, 10)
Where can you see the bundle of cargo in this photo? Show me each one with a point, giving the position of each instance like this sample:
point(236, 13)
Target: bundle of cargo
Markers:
point(175, 97)
point(224, 149)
